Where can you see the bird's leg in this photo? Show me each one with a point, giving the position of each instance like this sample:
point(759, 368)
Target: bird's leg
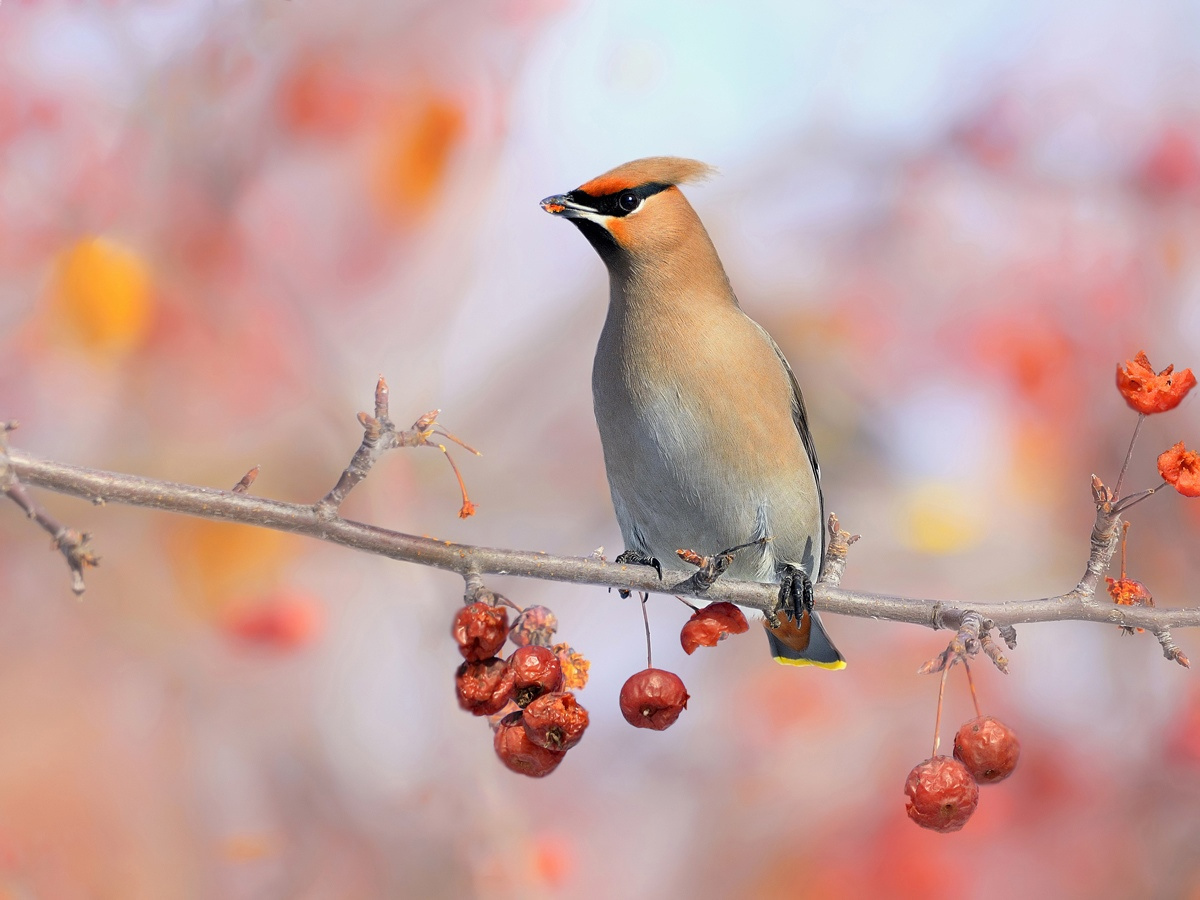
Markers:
point(638, 559)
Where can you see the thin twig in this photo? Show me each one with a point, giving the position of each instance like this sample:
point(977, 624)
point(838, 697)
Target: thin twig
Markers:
point(1170, 651)
point(379, 436)
point(971, 684)
point(468, 508)
point(646, 622)
point(992, 649)
point(1134, 499)
point(974, 635)
point(937, 722)
point(1128, 455)
point(836, 553)
point(248, 479)
point(75, 546)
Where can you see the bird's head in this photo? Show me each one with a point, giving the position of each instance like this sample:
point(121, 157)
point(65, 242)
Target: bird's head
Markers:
point(635, 210)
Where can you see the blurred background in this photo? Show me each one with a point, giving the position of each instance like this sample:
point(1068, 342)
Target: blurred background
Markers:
point(221, 221)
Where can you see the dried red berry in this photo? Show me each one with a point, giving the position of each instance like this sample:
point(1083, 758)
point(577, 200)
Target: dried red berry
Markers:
point(555, 721)
point(942, 794)
point(484, 686)
point(1149, 393)
point(1181, 467)
point(480, 630)
point(536, 671)
point(988, 748)
point(653, 698)
point(519, 753)
point(711, 624)
point(1127, 592)
point(507, 709)
point(535, 625)
point(574, 667)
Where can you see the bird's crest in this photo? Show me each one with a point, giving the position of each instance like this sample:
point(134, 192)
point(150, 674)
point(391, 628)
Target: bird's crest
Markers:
point(667, 170)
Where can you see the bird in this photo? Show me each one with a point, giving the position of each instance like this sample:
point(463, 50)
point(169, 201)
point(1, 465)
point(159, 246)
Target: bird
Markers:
point(705, 435)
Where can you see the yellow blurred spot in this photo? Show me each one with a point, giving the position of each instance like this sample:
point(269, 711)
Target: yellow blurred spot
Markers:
point(940, 518)
point(100, 297)
point(217, 564)
point(415, 152)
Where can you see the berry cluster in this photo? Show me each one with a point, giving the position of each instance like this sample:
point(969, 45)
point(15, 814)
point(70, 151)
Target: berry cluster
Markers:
point(942, 792)
point(529, 694)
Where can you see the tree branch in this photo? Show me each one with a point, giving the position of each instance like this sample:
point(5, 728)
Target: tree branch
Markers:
point(1078, 604)
point(74, 546)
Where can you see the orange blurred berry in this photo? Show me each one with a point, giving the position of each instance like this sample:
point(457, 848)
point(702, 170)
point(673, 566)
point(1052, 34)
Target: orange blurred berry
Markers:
point(100, 297)
point(416, 153)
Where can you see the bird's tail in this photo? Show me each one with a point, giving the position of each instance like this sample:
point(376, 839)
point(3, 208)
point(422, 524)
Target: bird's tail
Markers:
point(803, 643)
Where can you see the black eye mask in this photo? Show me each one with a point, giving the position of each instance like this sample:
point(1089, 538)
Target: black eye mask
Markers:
point(620, 203)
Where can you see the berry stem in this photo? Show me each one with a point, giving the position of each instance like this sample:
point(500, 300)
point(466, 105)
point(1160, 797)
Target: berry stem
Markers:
point(1124, 535)
point(646, 620)
point(937, 722)
point(1134, 499)
point(1128, 455)
point(971, 682)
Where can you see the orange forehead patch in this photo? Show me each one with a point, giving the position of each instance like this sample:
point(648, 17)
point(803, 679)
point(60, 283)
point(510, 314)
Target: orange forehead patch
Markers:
point(660, 169)
point(607, 184)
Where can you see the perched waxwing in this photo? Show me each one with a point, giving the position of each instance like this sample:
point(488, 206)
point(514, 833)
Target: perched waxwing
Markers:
point(705, 437)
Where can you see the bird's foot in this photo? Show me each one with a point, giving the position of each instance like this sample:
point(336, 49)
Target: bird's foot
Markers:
point(710, 568)
point(795, 594)
point(638, 559)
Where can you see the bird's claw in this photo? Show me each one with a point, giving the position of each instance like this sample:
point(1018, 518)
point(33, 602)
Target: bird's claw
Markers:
point(795, 593)
point(633, 557)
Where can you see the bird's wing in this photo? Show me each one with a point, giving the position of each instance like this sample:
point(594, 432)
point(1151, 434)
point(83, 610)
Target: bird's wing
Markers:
point(800, 417)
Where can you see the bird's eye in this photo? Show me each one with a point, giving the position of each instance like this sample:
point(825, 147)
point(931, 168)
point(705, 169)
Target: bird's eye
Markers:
point(629, 201)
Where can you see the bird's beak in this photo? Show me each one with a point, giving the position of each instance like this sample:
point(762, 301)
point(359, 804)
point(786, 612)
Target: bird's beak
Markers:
point(562, 205)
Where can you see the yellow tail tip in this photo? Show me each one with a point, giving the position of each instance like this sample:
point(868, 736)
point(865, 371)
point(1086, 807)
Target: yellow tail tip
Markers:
point(833, 666)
